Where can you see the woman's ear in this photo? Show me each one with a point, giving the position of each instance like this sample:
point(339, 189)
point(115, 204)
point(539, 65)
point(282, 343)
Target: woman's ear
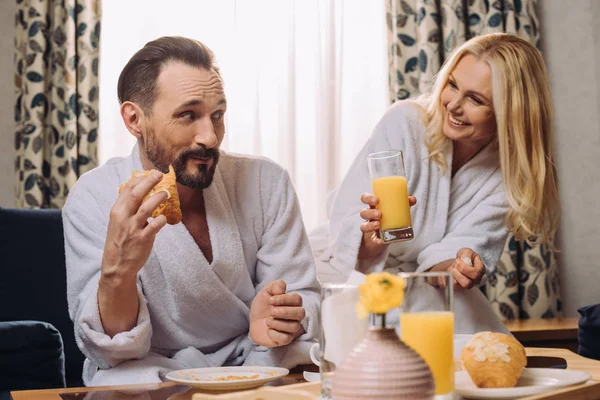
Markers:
point(133, 117)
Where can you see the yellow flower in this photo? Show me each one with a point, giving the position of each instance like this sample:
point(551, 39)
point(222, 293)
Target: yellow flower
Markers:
point(380, 293)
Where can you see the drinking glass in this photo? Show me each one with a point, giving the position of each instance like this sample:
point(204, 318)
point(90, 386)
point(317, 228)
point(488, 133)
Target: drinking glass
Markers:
point(341, 330)
point(386, 169)
point(427, 325)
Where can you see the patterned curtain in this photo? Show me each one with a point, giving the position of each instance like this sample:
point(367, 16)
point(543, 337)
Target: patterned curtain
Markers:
point(421, 33)
point(56, 108)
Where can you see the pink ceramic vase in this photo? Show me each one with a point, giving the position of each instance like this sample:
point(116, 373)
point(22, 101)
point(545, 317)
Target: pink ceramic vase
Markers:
point(380, 367)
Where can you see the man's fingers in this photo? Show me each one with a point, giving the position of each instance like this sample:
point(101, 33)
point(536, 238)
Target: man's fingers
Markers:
point(134, 197)
point(280, 338)
point(283, 325)
point(130, 184)
point(155, 225)
point(277, 287)
point(147, 207)
point(289, 313)
point(412, 200)
point(369, 199)
point(290, 299)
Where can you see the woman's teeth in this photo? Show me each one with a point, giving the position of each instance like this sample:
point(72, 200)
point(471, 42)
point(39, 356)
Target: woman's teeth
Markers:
point(455, 121)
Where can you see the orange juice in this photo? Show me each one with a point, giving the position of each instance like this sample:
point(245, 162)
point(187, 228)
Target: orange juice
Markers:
point(431, 334)
point(393, 202)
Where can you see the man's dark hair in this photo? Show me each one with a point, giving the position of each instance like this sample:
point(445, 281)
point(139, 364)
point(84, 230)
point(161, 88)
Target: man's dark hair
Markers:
point(138, 79)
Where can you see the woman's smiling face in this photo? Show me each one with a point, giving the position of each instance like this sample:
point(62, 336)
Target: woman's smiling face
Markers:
point(467, 102)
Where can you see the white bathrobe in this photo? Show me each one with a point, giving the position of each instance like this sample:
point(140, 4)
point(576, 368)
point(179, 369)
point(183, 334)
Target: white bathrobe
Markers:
point(467, 210)
point(192, 314)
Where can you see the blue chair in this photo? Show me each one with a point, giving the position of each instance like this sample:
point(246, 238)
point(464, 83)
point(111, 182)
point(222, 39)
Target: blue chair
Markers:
point(33, 287)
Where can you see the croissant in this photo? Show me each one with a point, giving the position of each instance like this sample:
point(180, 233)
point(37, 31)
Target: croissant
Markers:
point(171, 207)
point(493, 360)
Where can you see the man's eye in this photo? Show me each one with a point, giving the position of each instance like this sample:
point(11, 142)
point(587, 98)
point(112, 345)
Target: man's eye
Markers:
point(187, 115)
point(218, 115)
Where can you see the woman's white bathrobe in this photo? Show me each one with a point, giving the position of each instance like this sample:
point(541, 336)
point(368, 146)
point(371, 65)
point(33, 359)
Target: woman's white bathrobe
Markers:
point(192, 313)
point(467, 210)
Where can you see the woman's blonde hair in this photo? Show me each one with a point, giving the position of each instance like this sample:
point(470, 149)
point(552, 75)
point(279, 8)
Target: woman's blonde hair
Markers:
point(523, 110)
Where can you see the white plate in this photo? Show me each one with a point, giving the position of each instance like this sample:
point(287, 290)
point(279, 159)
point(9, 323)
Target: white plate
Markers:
point(532, 381)
point(215, 378)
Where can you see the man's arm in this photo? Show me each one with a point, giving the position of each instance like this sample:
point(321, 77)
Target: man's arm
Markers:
point(288, 293)
point(85, 221)
point(129, 241)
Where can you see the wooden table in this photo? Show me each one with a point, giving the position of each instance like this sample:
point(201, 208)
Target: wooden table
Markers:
point(589, 391)
point(551, 332)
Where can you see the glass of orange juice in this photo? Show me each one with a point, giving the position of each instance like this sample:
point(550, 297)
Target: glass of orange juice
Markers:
point(427, 325)
point(388, 179)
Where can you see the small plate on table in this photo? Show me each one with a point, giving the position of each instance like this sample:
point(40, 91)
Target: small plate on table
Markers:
point(532, 381)
point(227, 378)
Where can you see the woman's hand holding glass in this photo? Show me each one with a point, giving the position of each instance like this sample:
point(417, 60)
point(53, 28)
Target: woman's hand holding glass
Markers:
point(372, 244)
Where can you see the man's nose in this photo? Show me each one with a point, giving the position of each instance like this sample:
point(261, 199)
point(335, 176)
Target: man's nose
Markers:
point(205, 134)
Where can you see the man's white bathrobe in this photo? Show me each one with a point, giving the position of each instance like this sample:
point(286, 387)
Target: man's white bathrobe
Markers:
point(192, 314)
point(467, 210)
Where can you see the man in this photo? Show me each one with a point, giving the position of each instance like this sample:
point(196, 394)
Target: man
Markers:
point(234, 283)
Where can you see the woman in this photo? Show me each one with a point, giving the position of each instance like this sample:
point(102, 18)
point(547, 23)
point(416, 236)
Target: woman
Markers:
point(478, 157)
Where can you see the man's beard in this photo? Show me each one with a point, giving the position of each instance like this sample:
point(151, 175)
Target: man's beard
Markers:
point(198, 180)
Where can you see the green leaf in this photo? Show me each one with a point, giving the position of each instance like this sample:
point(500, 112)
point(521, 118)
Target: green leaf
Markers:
point(92, 136)
point(93, 94)
point(399, 78)
point(38, 100)
point(401, 21)
point(422, 61)
point(31, 200)
point(414, 82)
point(450, 42)
point(82, 72)
point(434, 36)
point(31, 181)
point(29, 129)
point(34, 77)
point(81, 28)
point(37, 144)
point(406, 8)
point(70, 140)
point(28, 165)
point(30, 59)
point(535, 263)
point(406, 40)
point(35, 46)
point(411, 65)
point(474, 19)
point(533, 293)
point(421, 16)
point(95, 36)
point(34, 28)
point(83, 160)
point(506, 311)
point(95, 66)
point(495, 20)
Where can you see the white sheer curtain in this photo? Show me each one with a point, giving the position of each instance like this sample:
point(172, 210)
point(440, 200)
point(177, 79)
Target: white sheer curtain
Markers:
point(306, 80)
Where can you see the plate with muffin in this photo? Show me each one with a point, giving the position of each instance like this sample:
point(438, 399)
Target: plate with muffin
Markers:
point(494, 368)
